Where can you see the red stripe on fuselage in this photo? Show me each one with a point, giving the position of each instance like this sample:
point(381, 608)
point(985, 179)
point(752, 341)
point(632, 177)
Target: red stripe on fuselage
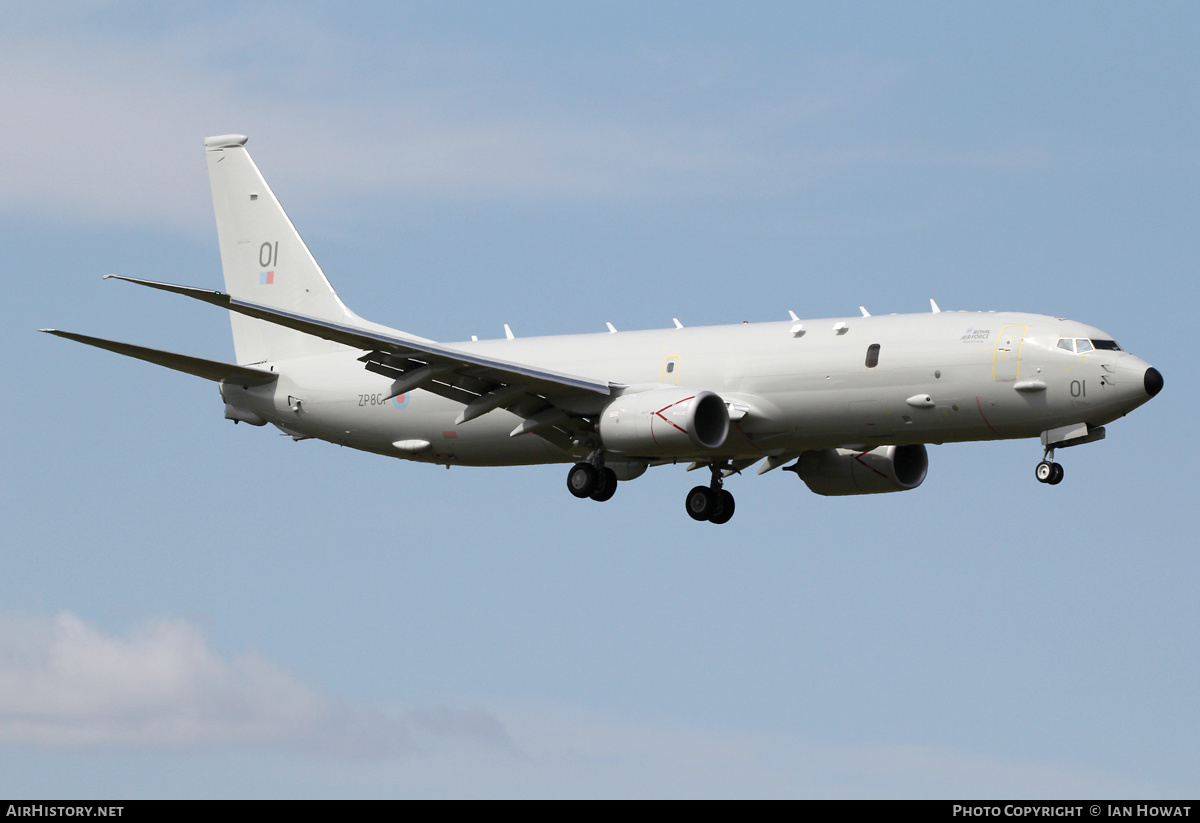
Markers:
point(979, 405)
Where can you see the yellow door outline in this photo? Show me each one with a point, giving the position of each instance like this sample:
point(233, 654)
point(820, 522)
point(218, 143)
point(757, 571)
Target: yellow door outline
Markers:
point(1006, 357)
point(670, 370)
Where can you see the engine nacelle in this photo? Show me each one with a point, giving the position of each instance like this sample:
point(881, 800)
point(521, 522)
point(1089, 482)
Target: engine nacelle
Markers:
point(885, 469)
point(670, 422)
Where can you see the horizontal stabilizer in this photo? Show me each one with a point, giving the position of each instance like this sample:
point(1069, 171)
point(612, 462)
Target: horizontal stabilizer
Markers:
point(208, 369)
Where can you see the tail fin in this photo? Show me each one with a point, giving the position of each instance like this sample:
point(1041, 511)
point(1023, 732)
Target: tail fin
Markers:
point(264, 259)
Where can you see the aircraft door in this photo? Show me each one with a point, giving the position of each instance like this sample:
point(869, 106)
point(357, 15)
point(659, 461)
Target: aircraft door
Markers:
point(1006, 359)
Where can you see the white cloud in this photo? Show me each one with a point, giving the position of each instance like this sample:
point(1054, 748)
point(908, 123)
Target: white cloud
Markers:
point(64, 684)
point(572, 752)
point(114, 131)
point(106, 126)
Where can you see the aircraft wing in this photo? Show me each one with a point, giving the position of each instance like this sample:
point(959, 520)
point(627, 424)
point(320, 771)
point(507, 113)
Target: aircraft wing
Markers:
point(198, 366)
point(548, 401)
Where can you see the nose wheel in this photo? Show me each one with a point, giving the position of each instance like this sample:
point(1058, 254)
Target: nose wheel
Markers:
point(1048, 471)
point(711, 502)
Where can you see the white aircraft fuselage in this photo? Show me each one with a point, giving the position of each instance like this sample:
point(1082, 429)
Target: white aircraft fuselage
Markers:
point(811, 391)
point(850, 400)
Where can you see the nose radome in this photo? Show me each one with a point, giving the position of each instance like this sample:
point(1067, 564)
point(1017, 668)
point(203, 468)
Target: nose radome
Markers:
point(1153, 381)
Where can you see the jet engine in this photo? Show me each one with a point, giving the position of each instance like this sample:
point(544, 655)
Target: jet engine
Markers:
point(669, 422)
point(843, 471)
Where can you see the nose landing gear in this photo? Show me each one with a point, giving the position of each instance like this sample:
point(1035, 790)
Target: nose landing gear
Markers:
point(1048, 471)
point(711, 502)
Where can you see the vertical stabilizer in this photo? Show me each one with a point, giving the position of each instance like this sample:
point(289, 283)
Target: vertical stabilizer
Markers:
point(264, 259)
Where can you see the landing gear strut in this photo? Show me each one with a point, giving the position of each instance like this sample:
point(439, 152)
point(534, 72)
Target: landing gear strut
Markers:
point(591, 480)
point(1048, 471)
point(711, 502)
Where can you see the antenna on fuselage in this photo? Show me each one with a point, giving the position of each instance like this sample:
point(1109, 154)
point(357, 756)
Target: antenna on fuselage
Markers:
point(508, 333)
point(934, 306)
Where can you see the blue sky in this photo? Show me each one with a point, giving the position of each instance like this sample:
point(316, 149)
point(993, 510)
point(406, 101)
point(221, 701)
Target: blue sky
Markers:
point(194, 609)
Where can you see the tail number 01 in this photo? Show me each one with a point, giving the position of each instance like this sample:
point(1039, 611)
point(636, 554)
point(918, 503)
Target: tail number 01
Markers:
point(268, 254)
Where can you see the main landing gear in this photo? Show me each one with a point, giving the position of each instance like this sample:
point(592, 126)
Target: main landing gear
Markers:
point(595, 481)
point(591, 478)
point(711, 502)
point(1048, 471)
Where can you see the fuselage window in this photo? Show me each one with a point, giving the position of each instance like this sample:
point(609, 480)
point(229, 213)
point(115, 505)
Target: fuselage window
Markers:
point(670, 368)
point(872, 355)
point(1083, 346)
point(1068, 345)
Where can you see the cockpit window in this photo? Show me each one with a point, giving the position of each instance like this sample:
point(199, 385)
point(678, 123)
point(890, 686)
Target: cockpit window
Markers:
point(1082, 345)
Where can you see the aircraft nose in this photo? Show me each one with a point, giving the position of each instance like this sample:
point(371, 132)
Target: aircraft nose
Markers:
point(1153, 381)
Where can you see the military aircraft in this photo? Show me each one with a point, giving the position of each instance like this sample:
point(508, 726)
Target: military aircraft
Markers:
point(849, 402)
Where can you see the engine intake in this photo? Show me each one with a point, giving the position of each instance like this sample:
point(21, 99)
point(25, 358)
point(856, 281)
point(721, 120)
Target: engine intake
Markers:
point(670, 422)
point(843, 471)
